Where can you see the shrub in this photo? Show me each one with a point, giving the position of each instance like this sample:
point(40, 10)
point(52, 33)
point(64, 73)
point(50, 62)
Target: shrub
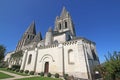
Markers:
point(17, 70)
point(8, 68)
point(56, 75)
point(65, 76)
point(26, 71)
point(16, 66)
point(21, 71)
point(32, 72)
point(38, 73)
point(49, 74)
point(13, 69)
point(42, 73)
point(3, 64)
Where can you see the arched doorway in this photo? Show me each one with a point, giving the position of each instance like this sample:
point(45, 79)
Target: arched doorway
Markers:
point(46, 67)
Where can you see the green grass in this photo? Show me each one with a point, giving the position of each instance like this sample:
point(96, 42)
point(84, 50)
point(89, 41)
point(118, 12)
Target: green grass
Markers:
point(4, 69)
point(39, 78)
point(3, 76)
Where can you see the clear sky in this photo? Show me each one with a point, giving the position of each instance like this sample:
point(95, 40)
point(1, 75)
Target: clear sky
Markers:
point(96, 20)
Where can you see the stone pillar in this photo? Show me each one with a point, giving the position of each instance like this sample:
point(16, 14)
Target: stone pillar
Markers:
point(84, 68)
point(24, 60)
point(87, 61)
point(36, 56)
point(63, 62)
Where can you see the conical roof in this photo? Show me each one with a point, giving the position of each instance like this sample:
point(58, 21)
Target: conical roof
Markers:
point(37, 38)
point(64, 12)
point(31, 28)
point(50, 29)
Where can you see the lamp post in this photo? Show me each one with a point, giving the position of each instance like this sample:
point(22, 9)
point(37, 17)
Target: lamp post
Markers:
point(97, 75)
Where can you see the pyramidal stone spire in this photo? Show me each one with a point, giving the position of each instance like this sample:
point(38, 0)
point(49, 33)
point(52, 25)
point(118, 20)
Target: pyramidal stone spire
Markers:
point(64, 12)
point(31, 28)
point(38, 37)
point(50, 29)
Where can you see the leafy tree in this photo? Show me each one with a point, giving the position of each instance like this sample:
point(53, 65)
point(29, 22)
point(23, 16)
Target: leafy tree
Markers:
point(112, 64)
point(102, 70)
point(2, 51)
point(110, 70)
point(17, 57)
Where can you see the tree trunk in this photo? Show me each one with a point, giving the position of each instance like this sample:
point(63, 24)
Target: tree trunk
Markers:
point(113, 77)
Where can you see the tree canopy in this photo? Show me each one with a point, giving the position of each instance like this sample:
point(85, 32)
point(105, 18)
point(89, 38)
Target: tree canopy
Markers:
point(16, 57)
point(110, 69)
point(18, 54)
point(2, 51)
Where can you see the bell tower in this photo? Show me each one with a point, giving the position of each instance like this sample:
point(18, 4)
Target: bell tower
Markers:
point(27, 37)
point(64, 23)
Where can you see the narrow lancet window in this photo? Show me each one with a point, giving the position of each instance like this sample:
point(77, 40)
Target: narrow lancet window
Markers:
point(60, 26)
point(65, 24)
point(71, 57)
point(29, 59)
point(94, 55)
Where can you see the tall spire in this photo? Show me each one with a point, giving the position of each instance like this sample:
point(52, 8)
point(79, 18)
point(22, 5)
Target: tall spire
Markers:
point(37, 38)
point(31, 28)
point(64, 12)
point(50, 29)
point(64, 23)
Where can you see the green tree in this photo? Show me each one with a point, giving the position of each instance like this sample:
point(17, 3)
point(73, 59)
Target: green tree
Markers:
point(110, 69)
point(2, 51)
point(17, 57)
point(102, 70)
point(112, 65)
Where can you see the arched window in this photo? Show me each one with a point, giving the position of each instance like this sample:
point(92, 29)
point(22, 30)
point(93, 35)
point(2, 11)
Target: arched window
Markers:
point(56, 42)
point(30, 58)
point(59, 26)
point(94, 55)
point(70, 57)
point(28, 36)
point(68, 38)
point(65, 24)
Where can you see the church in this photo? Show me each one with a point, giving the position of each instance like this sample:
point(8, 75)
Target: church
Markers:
point(61, 51)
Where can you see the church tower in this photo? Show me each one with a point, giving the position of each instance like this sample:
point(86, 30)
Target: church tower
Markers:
point(49, 37)
point(38, 37)
point(64, 23)
point(27, 37)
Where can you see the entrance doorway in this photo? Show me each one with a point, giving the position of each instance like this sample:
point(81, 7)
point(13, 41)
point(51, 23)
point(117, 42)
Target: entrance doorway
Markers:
point(46, 68)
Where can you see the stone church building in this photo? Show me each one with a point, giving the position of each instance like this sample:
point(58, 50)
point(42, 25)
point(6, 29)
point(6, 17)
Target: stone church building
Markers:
point(61, 51)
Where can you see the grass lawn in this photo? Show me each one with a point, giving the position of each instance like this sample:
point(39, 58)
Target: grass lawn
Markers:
point(4, 69)
point(40, 78)
point(3, 76)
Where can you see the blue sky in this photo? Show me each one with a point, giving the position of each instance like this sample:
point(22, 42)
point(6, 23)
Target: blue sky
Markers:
point(97, 20)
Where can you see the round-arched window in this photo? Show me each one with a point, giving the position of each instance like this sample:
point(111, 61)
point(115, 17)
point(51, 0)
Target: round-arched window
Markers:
point(30, 58)
point(71, 57)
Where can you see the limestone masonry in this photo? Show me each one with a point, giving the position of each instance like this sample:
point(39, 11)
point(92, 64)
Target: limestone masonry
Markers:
point(59, 52)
